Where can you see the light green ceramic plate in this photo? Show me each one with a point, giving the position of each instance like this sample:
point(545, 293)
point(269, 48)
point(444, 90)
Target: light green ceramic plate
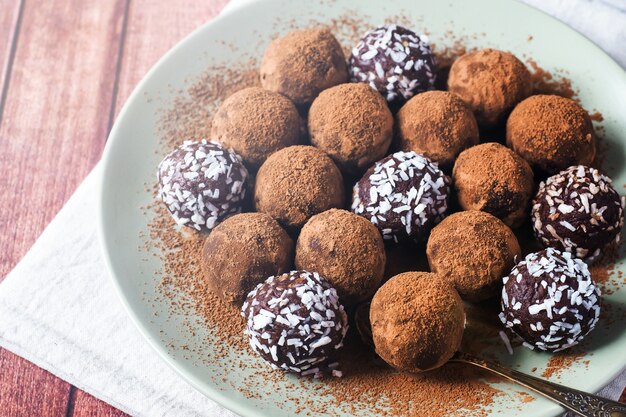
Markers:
point(132, 154)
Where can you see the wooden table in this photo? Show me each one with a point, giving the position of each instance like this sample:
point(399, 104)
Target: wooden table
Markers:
point(67, 67)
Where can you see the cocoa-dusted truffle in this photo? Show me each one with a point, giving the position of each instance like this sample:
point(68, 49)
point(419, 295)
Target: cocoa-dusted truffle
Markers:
point(303, 63)
point(241, 252)
point(578, 211)
point(202, 183)
point(550, 300)
point(473, 250)
point(346, 249)
point(255, 123)
point(490, 177)
point(296, 183)
point(551, 133)
point(417, 321)
point(404, 195)
point(352, 124)
point(438, 125)
point(295, 322)
point(491, 82)
point(395, 61)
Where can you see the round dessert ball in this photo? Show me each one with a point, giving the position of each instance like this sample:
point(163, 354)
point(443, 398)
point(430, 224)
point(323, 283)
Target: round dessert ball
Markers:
point(241, 252)
point(550, 300)
point(347, 250)
point(255, 123)
point(295, 322)
point(352, 124)
point(417, 321)
point(491, 82)
point(490, 177)
point(296, 183)
point(578, 211)
point(473, 250)
point(551, 133)
point(404, 195)
point(395, 61)
point(438, 125)
point(202, 183)
point(302, 63)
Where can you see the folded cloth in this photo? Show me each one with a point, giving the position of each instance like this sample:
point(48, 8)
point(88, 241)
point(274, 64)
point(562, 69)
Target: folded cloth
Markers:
point(58, 310)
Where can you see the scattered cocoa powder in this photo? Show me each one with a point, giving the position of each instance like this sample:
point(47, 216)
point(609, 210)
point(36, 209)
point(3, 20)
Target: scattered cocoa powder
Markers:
point(368, 385)
point(544, 82)
point(563, 360)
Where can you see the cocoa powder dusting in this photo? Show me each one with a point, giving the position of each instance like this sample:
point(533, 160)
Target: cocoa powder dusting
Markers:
point(368, 384)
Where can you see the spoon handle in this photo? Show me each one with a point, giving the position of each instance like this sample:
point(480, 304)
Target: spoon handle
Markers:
point(579, 402)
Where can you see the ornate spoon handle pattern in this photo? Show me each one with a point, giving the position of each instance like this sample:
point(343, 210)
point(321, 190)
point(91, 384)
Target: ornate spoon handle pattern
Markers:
point(581, 403)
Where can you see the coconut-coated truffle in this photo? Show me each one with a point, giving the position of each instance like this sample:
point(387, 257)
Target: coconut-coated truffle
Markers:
point(490, 177)
point(296, 323)
point(417, 321)
point(395, 61)
point(404, 195)
point(352, 124)
point(550, 300)
point(438, 125)
point(551, 133)
point(241, 252)
point(346, 249)
point(578, 211)
point(302, 63)
point(255, 123)
point(296, 183)
point(202, 183)
point(473, 250)
point(491, 82)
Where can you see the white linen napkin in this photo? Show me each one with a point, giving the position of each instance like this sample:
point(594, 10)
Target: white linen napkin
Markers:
point(58, 310)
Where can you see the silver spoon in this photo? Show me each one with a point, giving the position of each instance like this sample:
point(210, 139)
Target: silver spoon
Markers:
point(579, 402)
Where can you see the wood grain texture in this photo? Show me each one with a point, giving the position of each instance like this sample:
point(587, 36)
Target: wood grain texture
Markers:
point(85, 405)
point(26, 390)
point(10, 17)
point(52, 131)
point(152, 28)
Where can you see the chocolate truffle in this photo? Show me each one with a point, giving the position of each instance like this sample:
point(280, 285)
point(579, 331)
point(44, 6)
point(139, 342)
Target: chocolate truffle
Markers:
point(302, 63)
point(578, 211)
point(241, 252)
point(473, 250)
point(346, 249)
point(551, 133)
point(352, 124)
point(438, 125)
point(395, 61)
point(404, 195)
point(202, 183)
point(255, 123)
point(295, 322)
point(490, 177)
point(491, 82)
point(417, 321)
point(296, 183)
point(550, 300)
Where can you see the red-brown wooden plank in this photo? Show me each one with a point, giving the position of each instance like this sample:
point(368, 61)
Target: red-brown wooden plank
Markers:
point(85, 405)
point(10, 14)
point(53, 127)
point(152, 29)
